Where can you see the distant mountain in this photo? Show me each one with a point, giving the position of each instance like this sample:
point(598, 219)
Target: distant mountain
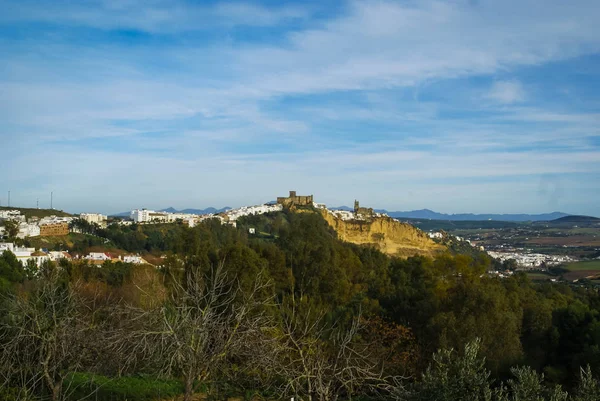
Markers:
point(345, 208)
point(413, 214)
point(431, 215)
point(577, 219)
point(208, 210)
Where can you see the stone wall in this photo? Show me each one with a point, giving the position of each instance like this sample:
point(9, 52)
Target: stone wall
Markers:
point(55, 229)
point(295, 200)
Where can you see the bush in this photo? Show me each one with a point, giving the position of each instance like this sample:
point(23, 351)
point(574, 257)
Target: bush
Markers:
point(101, 388)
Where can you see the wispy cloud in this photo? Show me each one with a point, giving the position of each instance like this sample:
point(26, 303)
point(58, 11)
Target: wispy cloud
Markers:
point(507, 92)
point(155, 16)
point(249, 98)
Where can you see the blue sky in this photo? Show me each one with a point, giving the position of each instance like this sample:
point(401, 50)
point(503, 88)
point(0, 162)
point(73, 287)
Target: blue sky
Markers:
point(457, 106)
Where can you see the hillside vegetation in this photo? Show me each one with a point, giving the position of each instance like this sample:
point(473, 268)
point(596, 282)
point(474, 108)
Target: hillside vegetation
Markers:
point(292, 312)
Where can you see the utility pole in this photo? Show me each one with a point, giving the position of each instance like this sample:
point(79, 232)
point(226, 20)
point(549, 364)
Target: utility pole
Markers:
point(37, 203)
point(51, 196)
point(8, 198)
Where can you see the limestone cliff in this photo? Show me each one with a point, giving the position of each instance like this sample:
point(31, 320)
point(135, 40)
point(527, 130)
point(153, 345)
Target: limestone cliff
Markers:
point(386, 234)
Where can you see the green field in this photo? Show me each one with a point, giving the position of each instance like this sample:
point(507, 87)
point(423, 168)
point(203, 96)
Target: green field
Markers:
point(585, 265)
point(537, 276)
point(65, 242)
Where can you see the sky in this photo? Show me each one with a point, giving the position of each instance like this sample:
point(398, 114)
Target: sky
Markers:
point(481, 106)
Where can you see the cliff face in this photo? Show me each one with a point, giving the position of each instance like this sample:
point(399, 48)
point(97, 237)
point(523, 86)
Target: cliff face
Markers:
point(386, 234)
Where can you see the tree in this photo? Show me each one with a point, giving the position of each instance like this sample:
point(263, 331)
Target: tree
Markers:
point(323, 361)
point(40, 338)
point(589, 387)
point(452, 377)
point(11, 270)
point(12, 229)
point(206, 322)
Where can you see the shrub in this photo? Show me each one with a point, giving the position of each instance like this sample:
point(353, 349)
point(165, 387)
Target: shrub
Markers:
point(101, 388)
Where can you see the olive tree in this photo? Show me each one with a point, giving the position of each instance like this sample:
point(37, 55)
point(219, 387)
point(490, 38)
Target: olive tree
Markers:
point(206, 321)
point(41, 333)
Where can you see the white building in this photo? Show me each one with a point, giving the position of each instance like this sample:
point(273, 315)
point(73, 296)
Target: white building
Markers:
point(11, 215)
point(28, 230)
point(94, 218)
point(234, 214)
point(6, 246)
point(135, 259)
point(25, 254)
point(97, 256)
point(58, 255)
point(148, 216)
point(54, 220)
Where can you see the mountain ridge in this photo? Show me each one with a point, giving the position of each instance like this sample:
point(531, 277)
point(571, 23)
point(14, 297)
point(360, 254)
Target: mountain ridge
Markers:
point(411, 214)
point(208, 210)
point(431, 215)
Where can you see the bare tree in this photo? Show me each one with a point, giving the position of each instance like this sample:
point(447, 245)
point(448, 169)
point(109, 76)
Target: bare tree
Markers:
point(40, 337)
point(207, 320)
point(321, 361)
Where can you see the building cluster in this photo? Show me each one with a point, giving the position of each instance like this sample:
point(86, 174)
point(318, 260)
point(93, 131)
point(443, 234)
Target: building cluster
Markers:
point(95, 218)
point(531, 260)
point(232, 215)
point(34, 226)
point(101, 257)
point(13, 215)
point(24, 254)
point(359, 213)
point(143, 216)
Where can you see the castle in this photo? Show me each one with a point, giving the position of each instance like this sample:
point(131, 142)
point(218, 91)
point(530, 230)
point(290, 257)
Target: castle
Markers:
point(294, 200)
point(364, 211)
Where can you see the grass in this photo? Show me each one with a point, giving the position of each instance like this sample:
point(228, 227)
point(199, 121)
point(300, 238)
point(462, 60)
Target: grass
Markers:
point(51, 241)
point(103, 388)
point(585, 265)
point(537, 276)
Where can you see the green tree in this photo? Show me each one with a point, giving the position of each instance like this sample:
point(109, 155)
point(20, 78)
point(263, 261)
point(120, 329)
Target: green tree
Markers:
point(12, 229)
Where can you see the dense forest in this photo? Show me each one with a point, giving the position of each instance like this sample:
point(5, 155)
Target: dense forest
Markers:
point(289, 312)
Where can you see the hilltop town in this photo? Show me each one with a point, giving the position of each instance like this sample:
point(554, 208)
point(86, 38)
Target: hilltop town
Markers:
point(17, 226)
point(361, 225)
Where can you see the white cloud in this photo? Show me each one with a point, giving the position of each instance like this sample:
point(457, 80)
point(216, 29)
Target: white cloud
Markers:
point(381, 44)
point(507, 92)
point(223, 103)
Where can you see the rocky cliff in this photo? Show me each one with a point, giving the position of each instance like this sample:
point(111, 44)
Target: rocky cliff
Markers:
point(386, 234)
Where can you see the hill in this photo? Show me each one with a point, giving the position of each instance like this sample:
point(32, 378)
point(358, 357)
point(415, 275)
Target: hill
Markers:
point(577, 219)
point(32, 212)
point(423, 214)
point(386, 234)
